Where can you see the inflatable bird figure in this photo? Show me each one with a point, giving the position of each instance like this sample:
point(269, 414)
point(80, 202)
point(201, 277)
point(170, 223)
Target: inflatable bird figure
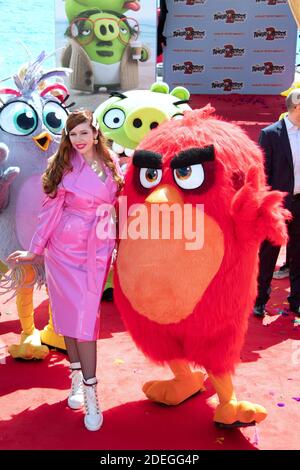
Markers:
point(32, 116)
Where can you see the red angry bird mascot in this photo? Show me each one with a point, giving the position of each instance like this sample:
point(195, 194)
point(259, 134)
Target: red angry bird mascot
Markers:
point(186, 299)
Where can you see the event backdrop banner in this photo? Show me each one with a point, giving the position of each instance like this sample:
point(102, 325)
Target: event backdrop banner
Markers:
point(230, 46)
point(109, 44)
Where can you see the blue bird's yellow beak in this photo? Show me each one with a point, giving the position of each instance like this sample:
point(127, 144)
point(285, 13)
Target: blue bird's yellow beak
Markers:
point(43, 140)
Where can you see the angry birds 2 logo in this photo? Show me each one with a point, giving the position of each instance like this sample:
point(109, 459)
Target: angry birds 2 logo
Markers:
point(272, 2)
point(268, 68)
point(229, 51)
point(191, 2)
point(270, 34)
point(228, 84)
point(188, 68)
point(230, 16)
point(189, 33)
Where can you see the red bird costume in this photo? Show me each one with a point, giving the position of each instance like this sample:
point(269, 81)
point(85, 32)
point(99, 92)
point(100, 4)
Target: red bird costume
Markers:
point(184, 305)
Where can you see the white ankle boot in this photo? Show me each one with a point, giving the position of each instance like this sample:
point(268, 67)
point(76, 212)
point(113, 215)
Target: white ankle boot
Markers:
point(93, 417)
point(76, 398)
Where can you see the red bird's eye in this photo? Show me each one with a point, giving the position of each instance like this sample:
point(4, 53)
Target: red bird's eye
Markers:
point(184, 173)
point(150, 177)
point(189, 177)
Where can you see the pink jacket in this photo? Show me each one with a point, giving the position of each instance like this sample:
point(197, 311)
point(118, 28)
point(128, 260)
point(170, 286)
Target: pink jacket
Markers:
point(67, 224)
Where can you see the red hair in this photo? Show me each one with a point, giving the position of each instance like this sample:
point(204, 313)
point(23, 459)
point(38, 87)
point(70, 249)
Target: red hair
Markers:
point(60, 162)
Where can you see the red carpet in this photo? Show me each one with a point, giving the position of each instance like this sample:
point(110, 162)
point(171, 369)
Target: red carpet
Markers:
point(252, 112)
point(33, 407)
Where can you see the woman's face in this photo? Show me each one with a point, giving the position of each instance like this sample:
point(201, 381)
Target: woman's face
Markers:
point(82, 138)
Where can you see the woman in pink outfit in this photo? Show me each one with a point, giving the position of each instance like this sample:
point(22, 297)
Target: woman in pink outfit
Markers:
point(81, 185)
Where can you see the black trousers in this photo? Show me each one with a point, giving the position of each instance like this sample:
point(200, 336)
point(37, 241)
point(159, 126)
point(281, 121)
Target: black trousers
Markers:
point(268, 255)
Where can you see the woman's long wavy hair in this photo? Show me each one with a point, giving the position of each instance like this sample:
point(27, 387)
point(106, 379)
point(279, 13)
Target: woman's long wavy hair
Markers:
point(60, 162)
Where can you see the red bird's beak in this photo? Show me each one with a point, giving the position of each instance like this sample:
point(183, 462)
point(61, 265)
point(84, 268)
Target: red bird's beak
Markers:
point(165, 194)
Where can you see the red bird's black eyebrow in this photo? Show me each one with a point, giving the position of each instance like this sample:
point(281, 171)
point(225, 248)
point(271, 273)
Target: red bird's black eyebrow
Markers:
point(193, 156)
point(147, 159)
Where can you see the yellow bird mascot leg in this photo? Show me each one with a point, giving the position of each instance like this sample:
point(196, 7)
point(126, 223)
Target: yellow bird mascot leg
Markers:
point(174, 391)
point(230, 410)
point(50, 337)
point(30, 346)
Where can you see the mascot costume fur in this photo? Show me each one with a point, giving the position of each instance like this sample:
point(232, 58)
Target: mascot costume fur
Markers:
point(184, 306)
point(126, 118)
point(32, 117)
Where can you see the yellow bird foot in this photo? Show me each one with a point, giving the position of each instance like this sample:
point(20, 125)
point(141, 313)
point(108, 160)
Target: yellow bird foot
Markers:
point(29, 348)
point(28, 351)
point(174, 391)
point(239, 414)
point(49, 337)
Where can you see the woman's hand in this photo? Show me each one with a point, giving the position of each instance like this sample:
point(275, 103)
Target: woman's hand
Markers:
point(18, 256)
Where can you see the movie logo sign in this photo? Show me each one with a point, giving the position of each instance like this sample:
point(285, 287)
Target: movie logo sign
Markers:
point(270, 34)
point(273, 2)
point(230, 16)
point(228, 51)
point(189, 33)
point(188, 68)
point(268, 68)
point(190, 2)
point(227, 85)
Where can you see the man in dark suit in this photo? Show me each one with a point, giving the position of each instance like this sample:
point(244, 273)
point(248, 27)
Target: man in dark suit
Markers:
point(281, 145)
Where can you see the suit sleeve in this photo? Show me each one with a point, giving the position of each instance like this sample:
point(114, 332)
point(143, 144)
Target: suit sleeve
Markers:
point(264, 142)
point(48, 220)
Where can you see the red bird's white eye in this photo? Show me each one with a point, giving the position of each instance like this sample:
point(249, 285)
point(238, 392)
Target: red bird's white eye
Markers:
point(150, 177)
point(189, 177)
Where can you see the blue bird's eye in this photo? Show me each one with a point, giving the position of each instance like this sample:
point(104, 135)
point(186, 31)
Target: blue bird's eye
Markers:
point(54, 117)
point(18, 118)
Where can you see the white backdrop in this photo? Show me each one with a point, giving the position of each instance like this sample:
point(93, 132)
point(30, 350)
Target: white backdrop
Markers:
point(230, 46)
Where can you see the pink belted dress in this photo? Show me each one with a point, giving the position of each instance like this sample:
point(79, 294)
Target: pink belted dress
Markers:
point(76, 260)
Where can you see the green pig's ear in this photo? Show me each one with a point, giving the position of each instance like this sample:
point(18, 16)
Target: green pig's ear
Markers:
point(181, 93)
point(160, 87)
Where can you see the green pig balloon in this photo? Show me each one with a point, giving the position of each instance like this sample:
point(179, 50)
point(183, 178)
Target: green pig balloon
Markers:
point(74, 8)
point(103, 51)
point(126, 118)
